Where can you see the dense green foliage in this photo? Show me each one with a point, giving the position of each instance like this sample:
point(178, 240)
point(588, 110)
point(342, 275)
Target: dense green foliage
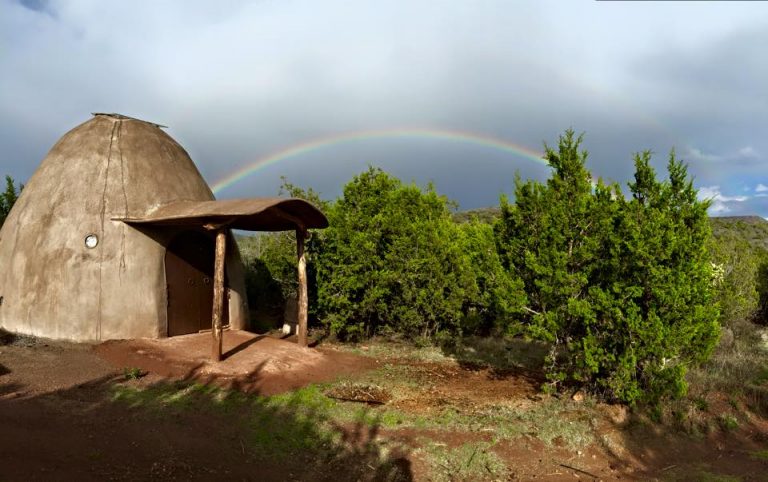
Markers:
point(739, 249)
point(625, 289)
point(8, 198)
point(270, 260)
point(622, 289)
point(394, 261)
point(500, 297)
point(737, 266)
point(391, 262)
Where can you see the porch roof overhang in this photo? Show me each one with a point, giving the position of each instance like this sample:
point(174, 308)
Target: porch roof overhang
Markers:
point(252, 214)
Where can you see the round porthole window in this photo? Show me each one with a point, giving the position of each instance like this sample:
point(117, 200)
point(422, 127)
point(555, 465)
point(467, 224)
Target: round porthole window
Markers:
point(91, 241)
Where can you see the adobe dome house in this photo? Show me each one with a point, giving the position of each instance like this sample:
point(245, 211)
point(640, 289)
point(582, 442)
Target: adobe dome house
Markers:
point(117, 235)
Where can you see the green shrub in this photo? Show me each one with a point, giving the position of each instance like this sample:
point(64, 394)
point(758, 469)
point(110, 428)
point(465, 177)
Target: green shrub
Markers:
point(391, 261)
point(739, 264)
point(500, 294)
point(621, 289)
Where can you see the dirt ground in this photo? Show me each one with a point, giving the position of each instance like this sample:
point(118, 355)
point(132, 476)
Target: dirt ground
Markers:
point(59, 420)
point(252, 363)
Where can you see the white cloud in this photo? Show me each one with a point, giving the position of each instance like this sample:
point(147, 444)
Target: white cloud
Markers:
point(696, 154)
point(746, 153)
point(713, 192)
point(761, 188)
point(720, 201)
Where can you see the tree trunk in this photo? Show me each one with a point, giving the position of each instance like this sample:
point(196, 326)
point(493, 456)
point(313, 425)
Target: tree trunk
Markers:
point(218, 293)
point(303, 301)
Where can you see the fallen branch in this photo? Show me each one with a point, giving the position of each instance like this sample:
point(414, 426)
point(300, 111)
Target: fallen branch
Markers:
point(579, 470)
point(344, 399)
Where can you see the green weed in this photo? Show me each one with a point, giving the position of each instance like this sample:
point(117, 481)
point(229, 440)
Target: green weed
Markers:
point(471, 461)
point(132, 373)
point(760, 455)
point(728, 422)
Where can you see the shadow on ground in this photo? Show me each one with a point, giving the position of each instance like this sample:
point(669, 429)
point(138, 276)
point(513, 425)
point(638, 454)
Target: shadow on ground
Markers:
point(718, 435)
point(114, 428)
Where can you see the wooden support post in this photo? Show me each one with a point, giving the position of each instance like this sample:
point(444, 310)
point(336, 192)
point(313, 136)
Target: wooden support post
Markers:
point(218, 293)
point(303, 301)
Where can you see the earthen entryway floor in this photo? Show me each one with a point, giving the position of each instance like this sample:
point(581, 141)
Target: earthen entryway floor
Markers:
point(254, 363)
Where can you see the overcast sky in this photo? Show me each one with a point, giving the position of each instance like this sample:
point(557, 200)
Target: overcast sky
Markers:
point(238, 81)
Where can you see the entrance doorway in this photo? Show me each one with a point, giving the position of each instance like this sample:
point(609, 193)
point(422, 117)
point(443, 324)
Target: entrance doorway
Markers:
point(189, 263)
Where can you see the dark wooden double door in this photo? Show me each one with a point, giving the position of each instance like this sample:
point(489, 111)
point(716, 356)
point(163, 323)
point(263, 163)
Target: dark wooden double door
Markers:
point(189, 263)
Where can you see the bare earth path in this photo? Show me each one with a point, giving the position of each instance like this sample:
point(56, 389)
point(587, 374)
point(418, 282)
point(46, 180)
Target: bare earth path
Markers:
point(62, 418)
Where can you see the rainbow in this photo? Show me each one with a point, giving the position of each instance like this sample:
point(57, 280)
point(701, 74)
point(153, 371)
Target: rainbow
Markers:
point(394, 133)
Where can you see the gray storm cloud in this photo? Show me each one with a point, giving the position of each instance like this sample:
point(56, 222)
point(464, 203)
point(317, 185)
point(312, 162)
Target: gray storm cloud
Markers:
point(236, 81)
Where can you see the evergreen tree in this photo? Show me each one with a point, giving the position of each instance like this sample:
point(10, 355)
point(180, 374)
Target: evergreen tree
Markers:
point(500, 295)
point(621, 289)
point(392, 261)
point(8, 198)
point(548, 239)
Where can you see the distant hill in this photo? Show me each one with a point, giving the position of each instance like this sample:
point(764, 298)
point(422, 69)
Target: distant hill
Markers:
point(487, 215)
point(752, 229)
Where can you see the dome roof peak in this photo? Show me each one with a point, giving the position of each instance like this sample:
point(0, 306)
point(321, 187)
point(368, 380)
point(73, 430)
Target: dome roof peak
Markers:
point(116, 116)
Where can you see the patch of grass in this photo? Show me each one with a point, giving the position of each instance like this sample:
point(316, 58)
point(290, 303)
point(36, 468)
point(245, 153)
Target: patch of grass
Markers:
point(300, 428)
point(686, 414)
point(561, 422)
point(383, 349)
point(310, 427)
point(554, 421)
point(701, 404)
point(132, 373)
point(170, 395)
point(760, 455)
point(736, 368)
point(705, 476)
point(359, 392)
point(304, 424)
point(471, 461)
point(699, 474)
point(762, 377)
point(728, 422)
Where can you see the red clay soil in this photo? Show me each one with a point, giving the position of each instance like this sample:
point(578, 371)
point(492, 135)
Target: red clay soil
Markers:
point(251, 363)
point(58, 420)
point(465, 389)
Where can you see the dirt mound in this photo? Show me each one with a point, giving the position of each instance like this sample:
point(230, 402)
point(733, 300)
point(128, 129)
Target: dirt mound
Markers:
point(253, 363)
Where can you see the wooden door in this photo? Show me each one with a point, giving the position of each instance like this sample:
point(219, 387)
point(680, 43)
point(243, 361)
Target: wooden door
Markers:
point(189, 262)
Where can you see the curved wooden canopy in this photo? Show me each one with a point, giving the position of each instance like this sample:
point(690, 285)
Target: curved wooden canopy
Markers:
point(253, 214)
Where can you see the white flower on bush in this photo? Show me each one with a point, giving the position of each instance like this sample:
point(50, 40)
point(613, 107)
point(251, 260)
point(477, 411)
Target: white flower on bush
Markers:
point(718, 273)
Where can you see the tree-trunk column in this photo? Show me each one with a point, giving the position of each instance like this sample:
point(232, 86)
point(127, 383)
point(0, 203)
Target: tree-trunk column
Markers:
point(303, 301)
point(218, 293)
